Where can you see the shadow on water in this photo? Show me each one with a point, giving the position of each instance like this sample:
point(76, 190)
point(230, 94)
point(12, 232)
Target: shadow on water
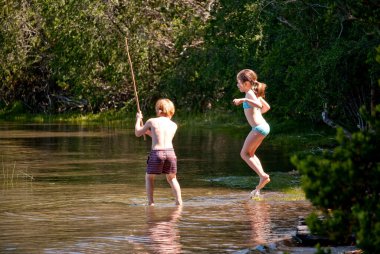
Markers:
point(88, 195)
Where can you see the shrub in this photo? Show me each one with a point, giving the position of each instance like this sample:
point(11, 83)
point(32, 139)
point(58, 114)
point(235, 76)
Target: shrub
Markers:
point(344, 185)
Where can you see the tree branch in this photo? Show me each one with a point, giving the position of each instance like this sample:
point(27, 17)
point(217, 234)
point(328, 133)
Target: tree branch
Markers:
point(331, 123)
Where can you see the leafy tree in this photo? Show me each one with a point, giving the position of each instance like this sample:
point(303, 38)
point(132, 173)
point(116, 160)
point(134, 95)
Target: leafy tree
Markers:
point(206, 73)
point(314, 56)
point(344, 185)
point(321, 58)
point(62, 55)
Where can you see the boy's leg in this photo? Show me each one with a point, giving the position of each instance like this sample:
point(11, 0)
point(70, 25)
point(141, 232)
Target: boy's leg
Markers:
point(176, 189)
point(149, 185)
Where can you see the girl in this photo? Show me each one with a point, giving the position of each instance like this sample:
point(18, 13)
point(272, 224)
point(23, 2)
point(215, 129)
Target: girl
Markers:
point(254, 106)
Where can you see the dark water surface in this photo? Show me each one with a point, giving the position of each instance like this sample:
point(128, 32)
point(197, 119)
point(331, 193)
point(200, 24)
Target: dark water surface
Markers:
point(80, 189)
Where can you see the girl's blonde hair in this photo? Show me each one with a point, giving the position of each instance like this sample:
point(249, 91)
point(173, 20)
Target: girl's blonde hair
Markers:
point(259, 89)
point(165, 107)
point(250, 76)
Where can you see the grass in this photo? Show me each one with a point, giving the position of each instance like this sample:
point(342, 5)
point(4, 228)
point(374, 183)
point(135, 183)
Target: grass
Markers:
point(288, 183)
point(12, 174)
point(103, 117)
point(297, 135)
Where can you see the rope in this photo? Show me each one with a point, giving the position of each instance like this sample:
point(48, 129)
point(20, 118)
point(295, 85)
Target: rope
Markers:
point(134, 81)
point(133, 75)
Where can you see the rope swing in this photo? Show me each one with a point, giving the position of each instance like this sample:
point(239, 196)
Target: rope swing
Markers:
point(133, 80)
point(133, 75)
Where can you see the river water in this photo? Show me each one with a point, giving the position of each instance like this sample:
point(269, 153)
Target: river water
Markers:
point(80, 189)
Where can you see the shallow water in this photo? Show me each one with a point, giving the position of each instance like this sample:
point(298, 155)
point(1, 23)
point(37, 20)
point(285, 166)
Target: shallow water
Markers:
point(80, 189)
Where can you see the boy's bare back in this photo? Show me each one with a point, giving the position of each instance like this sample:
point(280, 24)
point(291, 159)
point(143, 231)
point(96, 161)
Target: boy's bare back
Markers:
point(162, 131)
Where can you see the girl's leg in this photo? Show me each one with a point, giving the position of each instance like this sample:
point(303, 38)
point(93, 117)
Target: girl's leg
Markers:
point(263, 180)
point(247, 153)
point(176, 189)
point(149, 185)
point(252, 142)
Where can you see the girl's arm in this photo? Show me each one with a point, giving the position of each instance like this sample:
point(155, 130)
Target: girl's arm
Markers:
point(265, 104)
point(253, 100)
point(141, 130)
point(238, 101)
point(255, 103)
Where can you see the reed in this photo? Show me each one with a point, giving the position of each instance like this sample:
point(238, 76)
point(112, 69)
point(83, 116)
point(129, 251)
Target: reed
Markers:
point(11, 174)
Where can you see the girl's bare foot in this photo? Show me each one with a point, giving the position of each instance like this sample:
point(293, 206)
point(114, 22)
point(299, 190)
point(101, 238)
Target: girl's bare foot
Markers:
point(255, 193)
point(263, 181)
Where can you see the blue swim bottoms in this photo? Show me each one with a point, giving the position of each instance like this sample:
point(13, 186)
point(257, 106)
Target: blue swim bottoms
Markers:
point(263, 129)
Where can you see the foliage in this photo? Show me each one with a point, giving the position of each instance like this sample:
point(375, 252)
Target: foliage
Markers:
point(319, 59)
point(344, 185)
point(56, 56)
point(313, 57)
point(205, 76)
point(59, 56)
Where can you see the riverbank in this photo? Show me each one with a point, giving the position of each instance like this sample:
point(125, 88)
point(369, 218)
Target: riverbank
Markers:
point(302, 131)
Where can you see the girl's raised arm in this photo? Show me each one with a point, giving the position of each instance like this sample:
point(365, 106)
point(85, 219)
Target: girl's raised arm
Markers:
point(253, 100)
point(265, 104)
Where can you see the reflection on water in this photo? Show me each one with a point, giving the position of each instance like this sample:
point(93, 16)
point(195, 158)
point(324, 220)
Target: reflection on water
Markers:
point(163, 231)
point(88, 194)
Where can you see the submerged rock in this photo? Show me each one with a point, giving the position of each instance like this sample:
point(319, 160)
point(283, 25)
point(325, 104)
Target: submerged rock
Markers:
point(290, 246)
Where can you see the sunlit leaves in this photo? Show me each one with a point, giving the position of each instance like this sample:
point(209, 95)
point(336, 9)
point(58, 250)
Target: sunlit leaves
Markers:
point(76, 49)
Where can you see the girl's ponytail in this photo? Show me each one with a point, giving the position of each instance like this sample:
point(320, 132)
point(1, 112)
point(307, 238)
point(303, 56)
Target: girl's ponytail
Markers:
point(260, 89)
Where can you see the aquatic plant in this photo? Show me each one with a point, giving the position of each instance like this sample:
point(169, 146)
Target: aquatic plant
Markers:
point(12, 174)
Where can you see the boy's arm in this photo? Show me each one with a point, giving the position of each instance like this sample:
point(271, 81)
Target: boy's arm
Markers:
point(265, 104)
point(149, 133)
point(141, 130)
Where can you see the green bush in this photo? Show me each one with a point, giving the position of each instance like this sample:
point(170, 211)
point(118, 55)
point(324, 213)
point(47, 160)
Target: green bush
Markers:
point(344, 185)
point(16, 107)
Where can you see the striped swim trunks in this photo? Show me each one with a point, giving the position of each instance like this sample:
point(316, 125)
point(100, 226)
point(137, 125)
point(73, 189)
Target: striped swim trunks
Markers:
point(162, 161)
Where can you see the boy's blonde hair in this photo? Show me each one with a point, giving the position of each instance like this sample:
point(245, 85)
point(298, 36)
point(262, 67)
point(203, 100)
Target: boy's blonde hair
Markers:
point(165, 107)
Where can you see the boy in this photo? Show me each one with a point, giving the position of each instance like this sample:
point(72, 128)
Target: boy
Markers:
point(162, 158)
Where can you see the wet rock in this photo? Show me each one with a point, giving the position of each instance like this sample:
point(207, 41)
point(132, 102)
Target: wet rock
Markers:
point(303, 242)
point(305, 238)
point(291, 246)
point(260, 248)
